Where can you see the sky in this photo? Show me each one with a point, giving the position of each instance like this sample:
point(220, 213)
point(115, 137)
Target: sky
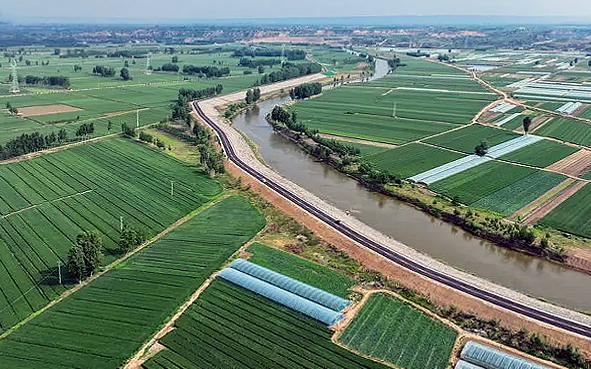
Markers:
point(229, 9)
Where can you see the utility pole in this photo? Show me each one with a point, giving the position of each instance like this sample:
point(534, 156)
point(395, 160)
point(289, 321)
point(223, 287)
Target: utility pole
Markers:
point(59, 271)
point(171, 188)
point(14, 88)
point(394, 110)
point(137, 118)
point(121, 223)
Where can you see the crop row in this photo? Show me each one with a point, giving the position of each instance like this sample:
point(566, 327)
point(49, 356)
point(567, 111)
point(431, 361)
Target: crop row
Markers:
point(568, 130)
point(229, 326)
point(390, 330)
point(130, 302)
point(573, 215)
point(85, 188)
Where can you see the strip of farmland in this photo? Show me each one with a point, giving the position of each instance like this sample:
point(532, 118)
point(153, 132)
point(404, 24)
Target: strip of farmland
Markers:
point(390, 330)
point(231, 327)
point(104, 323)
point(507, 119)
point(572, 215)
point(568, 130)
point(46, 202)
point(465, 163)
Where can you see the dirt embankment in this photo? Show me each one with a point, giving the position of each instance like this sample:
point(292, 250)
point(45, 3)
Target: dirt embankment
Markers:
point(575, 164)
point(437, 293)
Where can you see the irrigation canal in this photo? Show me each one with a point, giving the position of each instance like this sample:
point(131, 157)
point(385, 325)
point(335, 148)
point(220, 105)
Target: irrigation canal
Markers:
point(443, 241)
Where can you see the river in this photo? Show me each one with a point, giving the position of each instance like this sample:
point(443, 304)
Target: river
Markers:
point(442, 241)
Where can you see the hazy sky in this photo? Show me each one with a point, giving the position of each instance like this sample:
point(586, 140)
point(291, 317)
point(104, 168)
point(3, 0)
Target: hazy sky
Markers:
point(208, 9)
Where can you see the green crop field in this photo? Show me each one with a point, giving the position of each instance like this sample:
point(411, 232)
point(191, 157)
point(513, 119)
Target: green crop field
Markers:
point(229, 327)
point(516, 195)
point(478, 182)
point(456, 83)
point(46, 202)
point(106, 322)
point(466, 139)
point(540, 154)
point(412, 159)
point(305, 271)
point(573, 215)
point(514, 123)
point(388, 329)
point(567, 130)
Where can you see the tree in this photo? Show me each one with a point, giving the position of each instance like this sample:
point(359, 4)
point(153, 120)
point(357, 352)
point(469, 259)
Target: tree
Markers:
point(8, 105)
point(126, 64)
point(86, 255)
point(175, 59)
point(256, 94)
point(125, 74)
point(109, 126)
point(62, 135)
point(249, 97)
point(131, 237)
point(261, 69)
point(481, 149)
point(127, 130)
point(56, 51)
point(77, 68)
point(526, 124)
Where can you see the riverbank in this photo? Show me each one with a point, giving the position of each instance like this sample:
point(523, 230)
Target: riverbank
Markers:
point(548, 244)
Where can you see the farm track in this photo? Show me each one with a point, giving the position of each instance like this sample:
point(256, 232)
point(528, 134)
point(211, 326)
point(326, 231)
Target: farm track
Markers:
point(43, 203)
point(552, 203)
point(241, 155)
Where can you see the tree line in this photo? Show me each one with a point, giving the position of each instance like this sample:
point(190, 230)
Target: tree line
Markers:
point(306, 90)
point(252, 95)
point(31, 142)
point(181, 109)
point(289, 71)
point(289, 54)
point(101, 70)
point(255, 63)
point(48, 81)
point(206, 71)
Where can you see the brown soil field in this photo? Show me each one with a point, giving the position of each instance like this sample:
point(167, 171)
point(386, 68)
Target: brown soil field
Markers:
point(30, 111)
point(436, 292)
point(489, 116)
point(575, 164)
point(537, 122)
point(552, 203)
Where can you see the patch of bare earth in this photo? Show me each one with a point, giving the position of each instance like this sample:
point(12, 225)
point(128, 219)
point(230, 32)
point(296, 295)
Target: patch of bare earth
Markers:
point(551, 204)
point(537, 122)
point(488, 116)
point(30, 111)
point(359, 141)
point(439, 294)
point(575, 164)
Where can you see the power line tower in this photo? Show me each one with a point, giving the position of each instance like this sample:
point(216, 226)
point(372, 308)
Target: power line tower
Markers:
point(14, 87)
point(148, 67)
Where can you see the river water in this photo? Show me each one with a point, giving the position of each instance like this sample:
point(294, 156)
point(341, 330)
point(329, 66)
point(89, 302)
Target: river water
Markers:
point(442, 241)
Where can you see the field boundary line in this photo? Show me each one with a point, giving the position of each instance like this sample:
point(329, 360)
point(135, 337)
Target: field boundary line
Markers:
point(545, 197)
point(144, 353)
point(122, 259)
point(43, 203)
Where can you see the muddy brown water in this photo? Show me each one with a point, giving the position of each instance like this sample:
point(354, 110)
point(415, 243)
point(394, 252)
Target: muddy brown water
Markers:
point(440, 240)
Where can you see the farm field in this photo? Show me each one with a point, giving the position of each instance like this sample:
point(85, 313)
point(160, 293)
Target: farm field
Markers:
point(46, 202)
point(412, 159)
point(130, 302)
point(388, 329)
point(573, 215)
point(466, 139)
point(301, 269)
point(231, 327)
point(478, 182)
point(568, 130)
point(540, 154)
point(513, 197)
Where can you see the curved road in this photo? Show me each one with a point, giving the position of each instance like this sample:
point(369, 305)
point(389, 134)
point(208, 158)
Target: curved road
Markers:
point(564, 319)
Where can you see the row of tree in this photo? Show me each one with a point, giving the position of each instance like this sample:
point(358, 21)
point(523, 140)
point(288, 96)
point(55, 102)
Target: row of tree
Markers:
point(103, 71)
point(181, 109)
point(206, 71)
point(146, 137)
point(289, 71)
point(169, 67)
point(48, 81)
point(289, 54)
point(306, 90)
point(31, 142)
point(254, 63)
point(85, 129)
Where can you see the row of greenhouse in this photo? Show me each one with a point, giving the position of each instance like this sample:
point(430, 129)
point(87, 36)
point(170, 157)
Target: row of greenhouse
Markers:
point(311, 301)
point(478, 356)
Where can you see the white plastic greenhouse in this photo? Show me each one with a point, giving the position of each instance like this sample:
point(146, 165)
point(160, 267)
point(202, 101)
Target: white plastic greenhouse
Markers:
point(291, 285)
point(490, 358)
point(281, 296)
